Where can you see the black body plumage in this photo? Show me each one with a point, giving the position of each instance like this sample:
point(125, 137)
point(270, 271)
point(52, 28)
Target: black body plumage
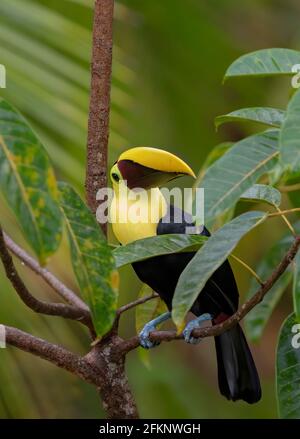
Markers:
point(237, 374)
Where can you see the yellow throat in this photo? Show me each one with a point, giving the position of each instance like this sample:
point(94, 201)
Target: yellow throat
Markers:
point(135, 215)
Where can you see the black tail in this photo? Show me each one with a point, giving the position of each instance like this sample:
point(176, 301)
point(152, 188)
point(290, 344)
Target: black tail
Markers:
point(237, 374)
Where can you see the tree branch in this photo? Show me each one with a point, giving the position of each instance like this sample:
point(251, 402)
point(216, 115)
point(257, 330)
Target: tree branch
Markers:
point(218, 329)
point(98, 125)
point(129, 306)
point(54, 309)
point(117, 398)
point(97, 368)
point(49, 278)
point(135, 303)
point(53, 353)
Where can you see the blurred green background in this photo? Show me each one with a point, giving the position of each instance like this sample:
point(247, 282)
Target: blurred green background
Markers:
point(169, 60)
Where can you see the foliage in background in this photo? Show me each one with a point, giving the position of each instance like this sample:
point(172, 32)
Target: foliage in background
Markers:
point(45, 46)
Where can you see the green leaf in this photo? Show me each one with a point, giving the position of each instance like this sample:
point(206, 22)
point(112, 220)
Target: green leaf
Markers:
point(149, 310)
point(294, 195)
point(236, 171)
point(217, 152)
point(156, 245)
point(258, 317)
point(263, 115)
point(276, 174)
point(213, 253)
point(144, 356)
point(289, 142)
point(222, 219)
point(265, 62)
point(28, 183)
point(92, 260)
point(288, 369)
point(262, 192)
point(296, 286)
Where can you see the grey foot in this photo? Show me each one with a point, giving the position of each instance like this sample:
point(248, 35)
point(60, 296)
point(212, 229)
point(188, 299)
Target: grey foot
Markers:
point(193, 324)
point(144, 336)
point(145, 341)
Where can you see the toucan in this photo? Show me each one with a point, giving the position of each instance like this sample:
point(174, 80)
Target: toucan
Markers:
point(148, 169)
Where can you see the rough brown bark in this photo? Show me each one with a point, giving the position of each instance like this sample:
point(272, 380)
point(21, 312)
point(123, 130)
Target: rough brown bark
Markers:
point(56, 354)
point(101, 367)
point(98, 125)
point(117, 399)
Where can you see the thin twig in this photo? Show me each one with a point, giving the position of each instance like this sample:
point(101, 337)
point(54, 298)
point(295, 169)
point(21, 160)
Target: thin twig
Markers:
point(98, 125)
point(290, 188)
point(54, 309)
point(218, 329)
point(254, 274)
point(283, 212)
point(128, 306)
point(280, 212)
point(137, 302)
point(49, 277)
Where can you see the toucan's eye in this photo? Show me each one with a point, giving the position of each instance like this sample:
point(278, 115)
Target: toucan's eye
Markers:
point(115, 177)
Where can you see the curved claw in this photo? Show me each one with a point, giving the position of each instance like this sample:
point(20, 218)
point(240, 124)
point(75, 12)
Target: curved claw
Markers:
point(145, 341)
point(193, 324)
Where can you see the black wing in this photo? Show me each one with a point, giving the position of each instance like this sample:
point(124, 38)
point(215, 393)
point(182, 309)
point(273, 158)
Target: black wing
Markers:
point(220, 294)
point(179, 221)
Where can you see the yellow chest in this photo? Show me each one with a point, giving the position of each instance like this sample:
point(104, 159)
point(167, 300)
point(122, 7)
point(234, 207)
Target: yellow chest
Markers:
point(136, 215)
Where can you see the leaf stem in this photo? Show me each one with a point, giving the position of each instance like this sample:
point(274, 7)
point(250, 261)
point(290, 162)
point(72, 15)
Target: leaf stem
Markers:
point(283, 212)
point(290, 188)
point(245, 265)
point(280, 212)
